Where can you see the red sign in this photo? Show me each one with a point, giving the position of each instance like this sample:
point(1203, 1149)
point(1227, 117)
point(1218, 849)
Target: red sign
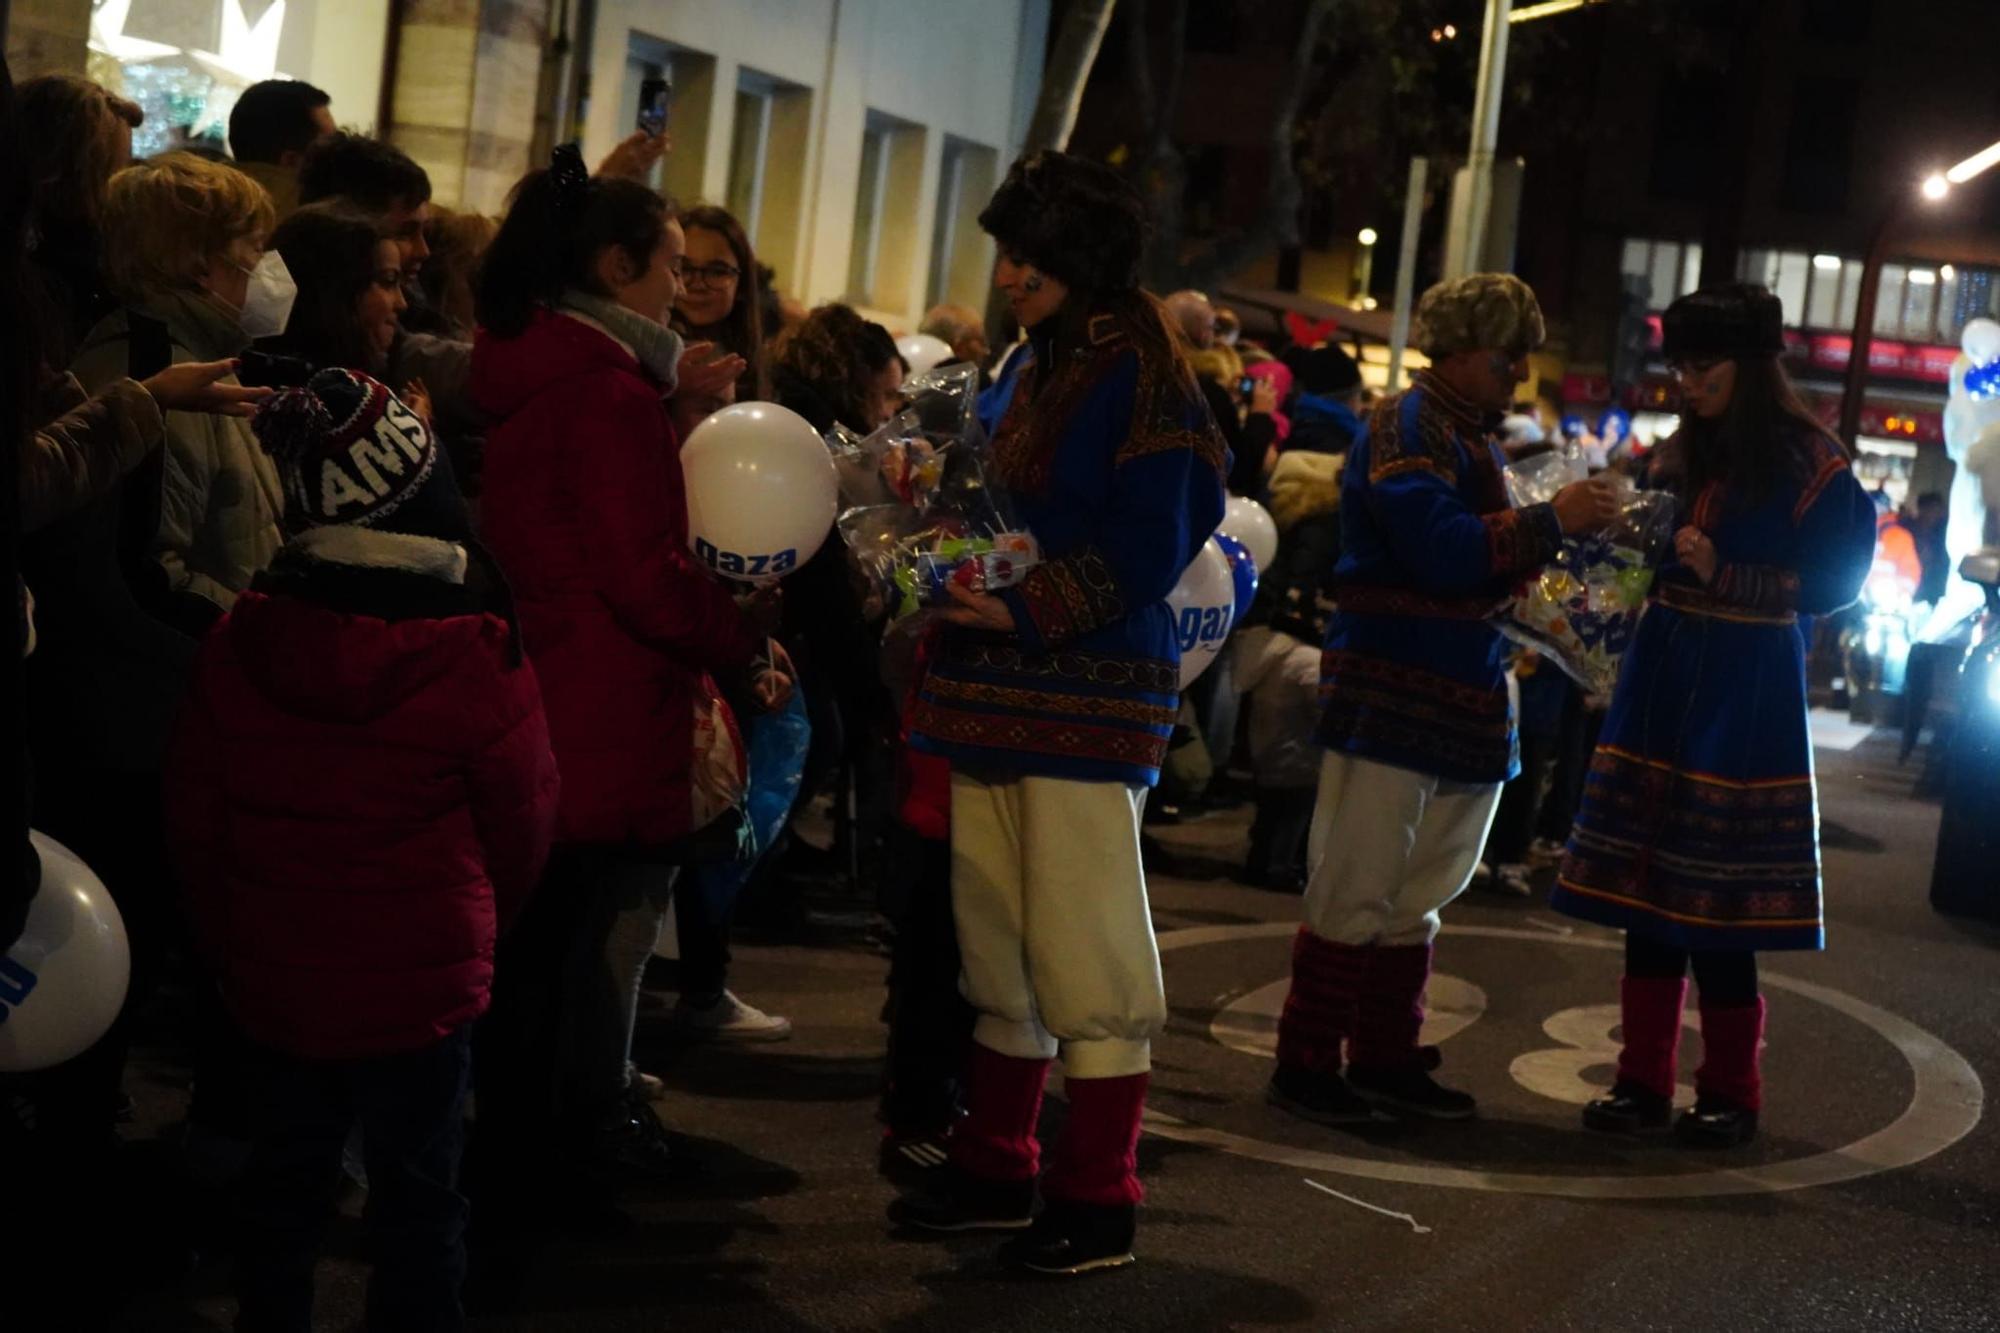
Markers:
point(1910, 361)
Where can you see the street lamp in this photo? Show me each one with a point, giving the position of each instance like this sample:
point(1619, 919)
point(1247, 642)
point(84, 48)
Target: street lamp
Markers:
point(1934, 190)
point(1364, 263)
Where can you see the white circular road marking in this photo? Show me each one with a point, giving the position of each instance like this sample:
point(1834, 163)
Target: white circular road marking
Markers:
point(1945, 1105)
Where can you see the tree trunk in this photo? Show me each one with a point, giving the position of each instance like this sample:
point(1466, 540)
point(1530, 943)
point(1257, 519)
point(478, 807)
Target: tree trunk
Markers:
point(1063, 78)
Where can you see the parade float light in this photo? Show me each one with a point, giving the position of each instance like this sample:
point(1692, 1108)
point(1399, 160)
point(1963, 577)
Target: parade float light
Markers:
point(1547, 9)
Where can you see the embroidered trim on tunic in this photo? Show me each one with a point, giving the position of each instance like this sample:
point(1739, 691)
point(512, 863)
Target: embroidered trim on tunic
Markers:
point(1146, 675)
point(1023, 695)
point(1057, 737)
point(1757, 588)
point(1518, 540)
point(1696, 848)
point(1070, 597)
point(1687, 598)
point(1378, 702)
point(1365, 600)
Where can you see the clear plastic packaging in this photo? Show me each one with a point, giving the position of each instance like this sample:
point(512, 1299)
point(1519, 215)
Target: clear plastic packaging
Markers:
point(1583, 607)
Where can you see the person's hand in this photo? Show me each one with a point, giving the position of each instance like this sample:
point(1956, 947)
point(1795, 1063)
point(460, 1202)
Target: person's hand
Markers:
point(1697, 552)
point(773, 686)
point(633, 159)
point(416, 396)
point(708, 372)
point(1586, 506)
point(765, 607)
point(977, 610)
point(192, 387)
point(1263, 395)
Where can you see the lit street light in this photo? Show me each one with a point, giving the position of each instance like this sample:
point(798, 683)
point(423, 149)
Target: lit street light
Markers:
point(1933, 190)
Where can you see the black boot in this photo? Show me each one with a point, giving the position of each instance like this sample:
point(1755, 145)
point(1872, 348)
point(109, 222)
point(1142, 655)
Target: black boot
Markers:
point(1713, 1123)
point(1071, 1239)
point(1630, 1108)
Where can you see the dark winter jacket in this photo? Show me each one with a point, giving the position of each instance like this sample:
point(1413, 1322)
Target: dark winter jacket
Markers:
point(1303, 495)
point(586, 510)
point(360, 795)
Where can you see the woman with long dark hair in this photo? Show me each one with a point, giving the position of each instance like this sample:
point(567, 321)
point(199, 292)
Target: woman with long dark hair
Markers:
point(585, 508)
point(1698, 831)
point(1053, 702)
point(721, 301)
point(350, 281)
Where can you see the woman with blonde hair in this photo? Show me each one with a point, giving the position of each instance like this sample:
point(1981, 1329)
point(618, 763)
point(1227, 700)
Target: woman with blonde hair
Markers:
point(458, 243)
point(185, 239)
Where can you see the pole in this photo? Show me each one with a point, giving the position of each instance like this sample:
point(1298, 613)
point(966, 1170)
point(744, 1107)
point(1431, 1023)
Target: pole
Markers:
point(1854, 385)
point(1406, 267)
point(1485, 136)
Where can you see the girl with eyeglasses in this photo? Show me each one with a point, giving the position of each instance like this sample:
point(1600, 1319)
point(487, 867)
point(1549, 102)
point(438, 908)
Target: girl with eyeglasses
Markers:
point(720, 300)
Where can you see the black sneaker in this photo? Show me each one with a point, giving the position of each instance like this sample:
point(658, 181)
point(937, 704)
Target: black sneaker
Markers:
point(1321, 1096)
point(1412, 1090)
point(1071, 1239)
point(959, 1201)
point(913, 1160)
point(1631, 1108)
point(630, 1143)
point(1714, 1123)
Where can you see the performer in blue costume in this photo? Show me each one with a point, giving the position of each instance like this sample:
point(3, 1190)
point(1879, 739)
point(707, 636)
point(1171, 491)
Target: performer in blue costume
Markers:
point(1414, 712)
point(1053, 702)
point(1698, 833)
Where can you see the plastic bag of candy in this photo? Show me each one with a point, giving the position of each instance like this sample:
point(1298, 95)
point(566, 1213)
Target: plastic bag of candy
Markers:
point(1581, 610)
point(921, 516)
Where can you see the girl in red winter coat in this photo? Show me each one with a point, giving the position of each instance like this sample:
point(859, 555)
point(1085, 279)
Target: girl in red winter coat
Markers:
point(584, 505)
point(361, 792)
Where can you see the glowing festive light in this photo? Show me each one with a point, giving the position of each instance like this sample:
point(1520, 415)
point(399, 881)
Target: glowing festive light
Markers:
point(1936, 187)
point(107, 35)
point(1368, 236)
point(1827, 263)
point(1974, 165)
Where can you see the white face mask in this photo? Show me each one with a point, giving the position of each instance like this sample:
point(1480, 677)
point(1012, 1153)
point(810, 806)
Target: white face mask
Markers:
point(267, 304)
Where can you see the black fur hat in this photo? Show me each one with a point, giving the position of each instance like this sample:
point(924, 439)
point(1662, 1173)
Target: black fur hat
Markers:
point(1731, 323)
point(1076, 220)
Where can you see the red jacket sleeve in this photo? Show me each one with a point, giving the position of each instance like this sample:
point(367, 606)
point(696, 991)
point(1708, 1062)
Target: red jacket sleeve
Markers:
point(196, 806)
point(638, 531)
point(514, 785)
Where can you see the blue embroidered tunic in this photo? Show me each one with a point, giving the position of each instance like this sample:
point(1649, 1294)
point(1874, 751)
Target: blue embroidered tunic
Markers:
point(1411, 674)
point(1115, 465)
point(1699, 824)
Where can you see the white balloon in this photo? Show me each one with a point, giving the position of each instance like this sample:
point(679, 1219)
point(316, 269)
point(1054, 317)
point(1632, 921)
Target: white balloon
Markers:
point(1204, 605)
point(761, 491)
point(923, 351)
point(1250, 523)
point(1981, 340)
point(64, 980)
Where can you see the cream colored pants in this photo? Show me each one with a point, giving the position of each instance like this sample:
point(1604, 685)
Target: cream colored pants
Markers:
point(1053, 922)
point(1390, 847)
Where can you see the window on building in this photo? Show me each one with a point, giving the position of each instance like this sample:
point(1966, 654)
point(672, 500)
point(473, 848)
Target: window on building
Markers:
point(1850, 294)
point(768, 137)
point(1790, 288)
point(679, 174)
point(961, 255)
point(1661, 270)
point(1822, 309)
point(1920, 291)
point(1889, 302)
point(880, 265)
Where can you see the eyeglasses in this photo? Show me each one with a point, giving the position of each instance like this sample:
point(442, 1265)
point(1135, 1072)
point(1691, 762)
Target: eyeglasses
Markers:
point(1687, 369)
point(710, 275)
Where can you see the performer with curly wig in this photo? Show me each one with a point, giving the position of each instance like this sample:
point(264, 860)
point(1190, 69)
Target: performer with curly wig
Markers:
point(1053, 702)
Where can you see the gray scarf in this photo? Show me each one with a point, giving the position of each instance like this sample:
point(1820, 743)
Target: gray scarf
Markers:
point(657, 346)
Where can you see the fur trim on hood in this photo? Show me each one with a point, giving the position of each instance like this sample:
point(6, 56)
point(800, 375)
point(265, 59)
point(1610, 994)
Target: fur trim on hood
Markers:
point(1304, 485)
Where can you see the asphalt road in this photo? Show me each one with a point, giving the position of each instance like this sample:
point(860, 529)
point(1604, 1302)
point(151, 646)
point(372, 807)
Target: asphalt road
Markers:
point(1871, 1202)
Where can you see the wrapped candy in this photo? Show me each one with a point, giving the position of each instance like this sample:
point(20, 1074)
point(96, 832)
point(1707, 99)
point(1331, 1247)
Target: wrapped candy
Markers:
point(1582, 608)
point(920, 515)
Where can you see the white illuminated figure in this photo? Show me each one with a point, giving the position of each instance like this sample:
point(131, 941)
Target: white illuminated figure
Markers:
point(1972, 441)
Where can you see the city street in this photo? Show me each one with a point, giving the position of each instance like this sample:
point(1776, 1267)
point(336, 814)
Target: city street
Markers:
point(1869, 1203)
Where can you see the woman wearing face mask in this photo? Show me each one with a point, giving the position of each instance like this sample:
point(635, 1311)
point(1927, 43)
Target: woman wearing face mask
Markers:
point(1698, 832)
point(185, 239)
point(585, 508)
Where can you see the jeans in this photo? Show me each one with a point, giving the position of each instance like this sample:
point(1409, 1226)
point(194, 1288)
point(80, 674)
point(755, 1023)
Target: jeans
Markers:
point(410, 1107)
point(640, 891)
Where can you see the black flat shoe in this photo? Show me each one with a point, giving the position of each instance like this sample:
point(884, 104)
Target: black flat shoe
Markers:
point(1322, 1097)
point(1071, 1239)
point(1716, 1124)
point(958, 1201)
point(1631, 1108)
point(1412, 1091)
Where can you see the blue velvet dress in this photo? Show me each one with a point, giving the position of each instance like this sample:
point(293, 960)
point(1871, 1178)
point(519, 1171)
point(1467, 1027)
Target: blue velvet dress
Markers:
point(1699, 824)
